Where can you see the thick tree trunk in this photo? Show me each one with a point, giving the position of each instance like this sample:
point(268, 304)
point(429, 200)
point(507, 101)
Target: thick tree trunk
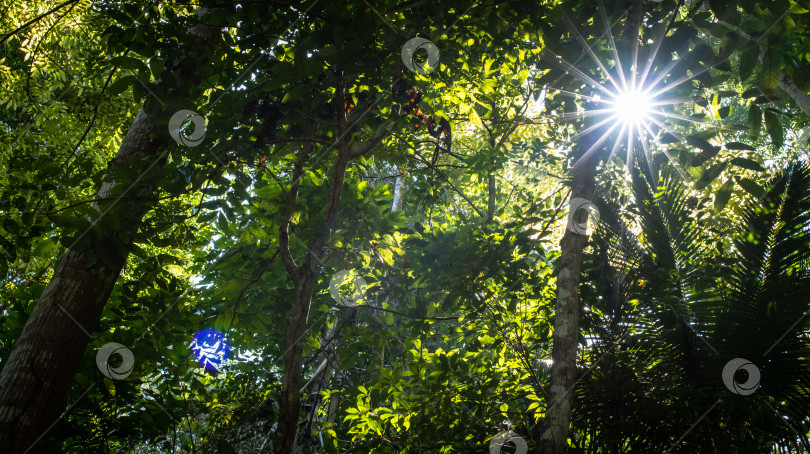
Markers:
point(566, 319)
point(37, 375)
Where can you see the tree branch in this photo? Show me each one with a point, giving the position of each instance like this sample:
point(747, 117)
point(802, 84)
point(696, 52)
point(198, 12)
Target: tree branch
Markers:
point(432, 167)
point(284, 226)
point(249, 284)
point(36, 19)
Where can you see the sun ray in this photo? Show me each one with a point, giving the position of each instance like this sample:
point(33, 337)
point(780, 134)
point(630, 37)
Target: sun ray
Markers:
point(596, 145)
point(686, 78)
point(667, 69)
point(634, 69)
point(574, 94)
point(571, 68)
point(617, 143)
point(634, 99)
point(573, 115)
point(680, 117)
point(669, 102)
point(663, 126)
point(630, 153)
point(657, 44)
point(675, 163)
point(590, 52)
point(647, 155)
point(591, 128)
point(613, 42)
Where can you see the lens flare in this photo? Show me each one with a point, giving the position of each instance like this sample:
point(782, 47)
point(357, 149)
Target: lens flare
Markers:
point(632, 107)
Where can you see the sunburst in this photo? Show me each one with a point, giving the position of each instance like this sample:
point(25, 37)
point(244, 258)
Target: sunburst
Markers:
point(631, 107)
point(632, 100)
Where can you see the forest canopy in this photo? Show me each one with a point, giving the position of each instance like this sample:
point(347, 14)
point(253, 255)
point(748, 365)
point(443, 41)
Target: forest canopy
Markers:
point(386, 226)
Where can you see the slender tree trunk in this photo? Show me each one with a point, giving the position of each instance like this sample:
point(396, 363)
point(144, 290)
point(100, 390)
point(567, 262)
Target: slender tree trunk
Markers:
point(38, 373)
point(491, 189)
point(566, 318)
point(327, 361)
point(399, 193)
point(304, 276)
point(291, 383)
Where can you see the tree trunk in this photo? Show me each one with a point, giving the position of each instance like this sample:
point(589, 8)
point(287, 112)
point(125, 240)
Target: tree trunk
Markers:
point(399, 192)
point(37, 376)
point(566, 317)
point(327, 361)
point(304, 276)
point(491, 189)
point(800, 97)
point(291, 383)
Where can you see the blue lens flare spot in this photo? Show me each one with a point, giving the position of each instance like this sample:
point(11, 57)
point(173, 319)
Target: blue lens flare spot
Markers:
point(210, 348)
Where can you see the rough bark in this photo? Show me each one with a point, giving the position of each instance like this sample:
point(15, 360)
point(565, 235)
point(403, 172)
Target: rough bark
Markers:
point(37, 376)
point(566, 319)
point(800, 97)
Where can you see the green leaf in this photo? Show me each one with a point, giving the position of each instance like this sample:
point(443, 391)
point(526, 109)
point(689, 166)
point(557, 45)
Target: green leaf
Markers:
point(723, 195)
point(751, 187)
point(129, 63)
point(120, 85)
point(67, 221)
point(749, 164)
point(667, 138)
point(748, 61)
point(710, 175)
point(771, 66)
point(754, 121)
point(709, 150)
point(774, 128)
point(474, 118)
point(739, 146)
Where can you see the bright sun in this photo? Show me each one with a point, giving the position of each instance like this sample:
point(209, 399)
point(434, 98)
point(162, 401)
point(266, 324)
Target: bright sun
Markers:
point(632, 107)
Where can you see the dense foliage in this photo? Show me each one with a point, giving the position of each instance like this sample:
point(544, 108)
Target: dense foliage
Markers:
point(445, 187)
